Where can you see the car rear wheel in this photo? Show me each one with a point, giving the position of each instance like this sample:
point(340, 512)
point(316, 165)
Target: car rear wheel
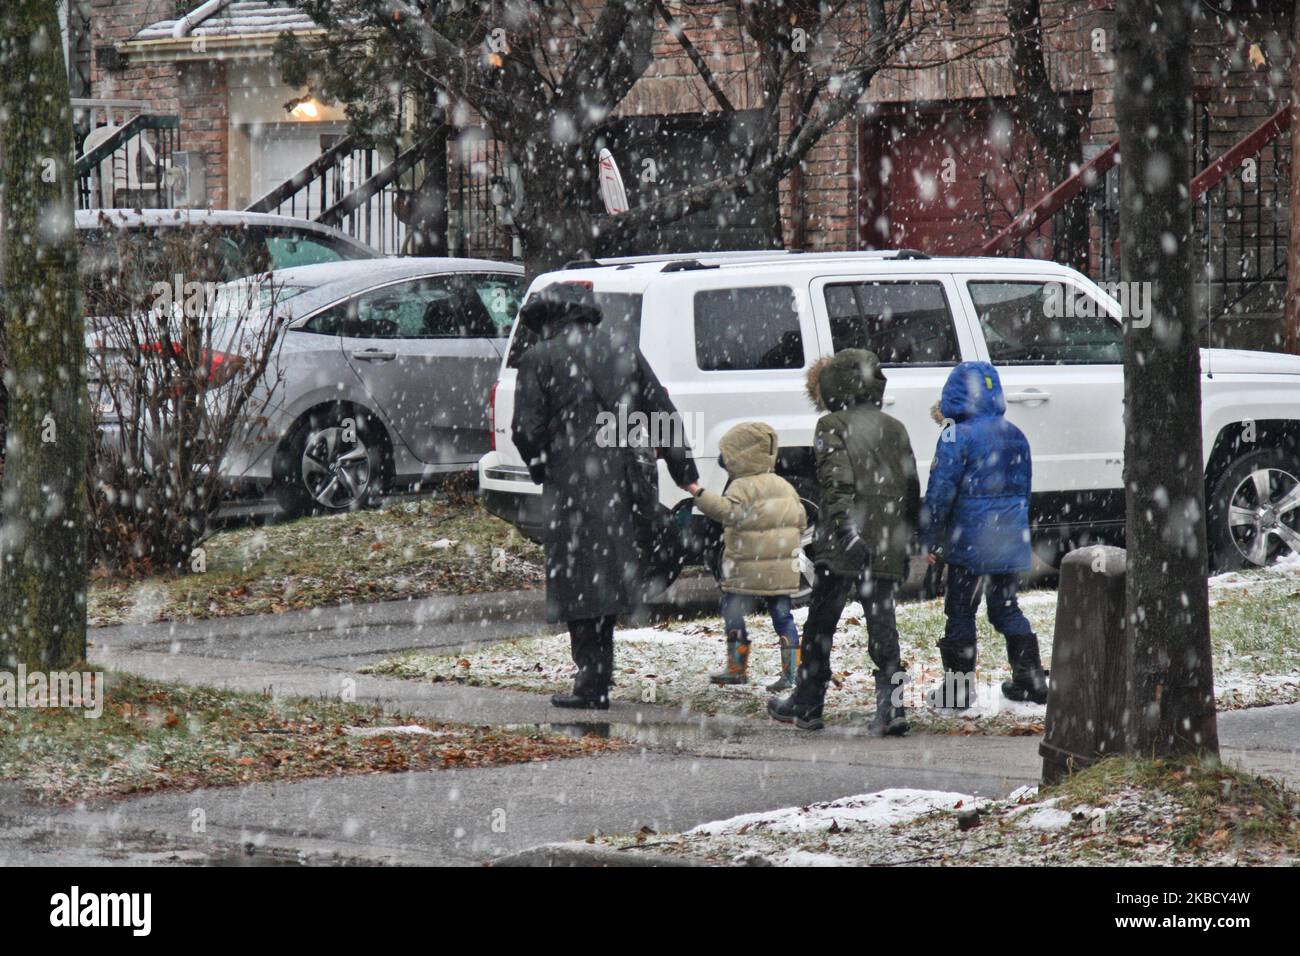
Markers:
point(810, 497)
point(334, 461)
point(1255, 511)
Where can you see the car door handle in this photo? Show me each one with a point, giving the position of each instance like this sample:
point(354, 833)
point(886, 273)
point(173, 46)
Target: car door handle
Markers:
point(1029, 395)
point(374, 355)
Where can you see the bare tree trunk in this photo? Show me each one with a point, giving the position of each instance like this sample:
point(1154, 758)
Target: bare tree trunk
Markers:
point(1291, 333)
point(43, 534)
point(1167, 598)
point(554, 224)
point(427, 212)
point(1053, 120)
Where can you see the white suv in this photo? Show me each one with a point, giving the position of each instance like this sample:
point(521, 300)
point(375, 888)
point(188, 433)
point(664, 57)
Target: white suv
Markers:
point(731, 337)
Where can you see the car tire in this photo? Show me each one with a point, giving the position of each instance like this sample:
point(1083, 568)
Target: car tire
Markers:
point(810, 497)
point(332, 461)
point(1254, 511)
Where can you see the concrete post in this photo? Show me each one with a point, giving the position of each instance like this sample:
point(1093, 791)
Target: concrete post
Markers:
point(1088, 709)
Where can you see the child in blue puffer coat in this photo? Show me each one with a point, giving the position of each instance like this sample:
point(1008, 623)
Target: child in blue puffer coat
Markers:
point(976, 517)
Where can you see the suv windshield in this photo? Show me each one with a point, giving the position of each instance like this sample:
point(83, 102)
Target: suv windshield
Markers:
point(620, 320)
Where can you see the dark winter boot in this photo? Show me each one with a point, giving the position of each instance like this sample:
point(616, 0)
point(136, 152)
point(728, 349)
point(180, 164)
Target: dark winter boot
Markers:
point(957, 690)
point(590, 691)
point(803, 707)
point(737, 669)
point(592, 645)
point(789, 667)
point(889, 720)
point(1028, 679)
point(580, 701)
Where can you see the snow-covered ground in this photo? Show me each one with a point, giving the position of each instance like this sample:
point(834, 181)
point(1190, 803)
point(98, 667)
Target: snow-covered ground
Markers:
point(1122, 816)
point(1255, 627)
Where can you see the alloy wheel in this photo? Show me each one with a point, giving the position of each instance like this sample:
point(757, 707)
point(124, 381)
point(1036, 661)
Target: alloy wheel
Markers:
point(1264, 515)
point(335, 470)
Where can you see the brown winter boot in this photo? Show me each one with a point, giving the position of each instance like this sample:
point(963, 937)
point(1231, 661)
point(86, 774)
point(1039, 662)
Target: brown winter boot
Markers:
point(737, 670)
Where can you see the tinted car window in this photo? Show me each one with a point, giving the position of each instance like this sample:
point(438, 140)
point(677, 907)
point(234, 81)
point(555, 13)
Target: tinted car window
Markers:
point(288, 249)
point(904, 323)
point(329, 322)
point(222, 254)
point(499, 296)
point(747, 328)
point(425, 308)
point(436, 307)
point(1045, 323)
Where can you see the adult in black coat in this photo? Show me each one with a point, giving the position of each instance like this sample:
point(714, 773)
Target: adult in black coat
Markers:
point(569, 387)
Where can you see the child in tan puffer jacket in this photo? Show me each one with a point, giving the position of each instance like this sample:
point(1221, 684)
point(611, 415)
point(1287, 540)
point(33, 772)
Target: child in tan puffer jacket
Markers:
point(763, 521)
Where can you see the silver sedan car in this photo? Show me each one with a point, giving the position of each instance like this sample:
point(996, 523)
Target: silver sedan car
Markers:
point(384, 378)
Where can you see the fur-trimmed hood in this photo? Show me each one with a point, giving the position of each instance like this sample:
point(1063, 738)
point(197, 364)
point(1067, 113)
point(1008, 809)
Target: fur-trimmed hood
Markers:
point(847, 378)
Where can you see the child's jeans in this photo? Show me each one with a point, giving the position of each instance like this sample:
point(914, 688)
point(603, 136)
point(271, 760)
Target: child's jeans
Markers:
point(736, 606)
point(965, 587)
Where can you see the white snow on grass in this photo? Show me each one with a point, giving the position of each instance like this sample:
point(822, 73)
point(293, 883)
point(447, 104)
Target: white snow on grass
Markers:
point(1045, 818)
point(1109, 819)
point(881, 809)
point(404, 730)
point(807, 858)
point(1255, 623)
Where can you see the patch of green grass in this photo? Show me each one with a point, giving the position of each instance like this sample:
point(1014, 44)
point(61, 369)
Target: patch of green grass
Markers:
point(409, 549)
point(1258, 626)
point(1221, 806)
point(161, 736)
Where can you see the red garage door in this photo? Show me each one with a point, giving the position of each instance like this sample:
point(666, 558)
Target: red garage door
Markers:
point(944, 178)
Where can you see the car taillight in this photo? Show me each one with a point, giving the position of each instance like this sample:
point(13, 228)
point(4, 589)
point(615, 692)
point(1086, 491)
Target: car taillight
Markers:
point(492, 416)
point(221, 366)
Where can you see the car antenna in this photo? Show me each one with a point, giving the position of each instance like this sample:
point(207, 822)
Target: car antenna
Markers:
point(1209, 334)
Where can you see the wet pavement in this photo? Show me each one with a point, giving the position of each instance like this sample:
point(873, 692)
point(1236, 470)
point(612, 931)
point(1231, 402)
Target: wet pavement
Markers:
point(680, 769)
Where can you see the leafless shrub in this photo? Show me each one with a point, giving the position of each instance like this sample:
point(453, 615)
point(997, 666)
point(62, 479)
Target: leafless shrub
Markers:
point(181, 367)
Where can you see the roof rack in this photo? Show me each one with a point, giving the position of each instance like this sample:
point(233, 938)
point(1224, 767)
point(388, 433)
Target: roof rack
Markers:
point(737, 255)
point(687, 265)
point(709, 260)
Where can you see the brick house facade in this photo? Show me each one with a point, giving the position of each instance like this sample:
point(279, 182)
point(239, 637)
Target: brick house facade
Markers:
point(1242, 71)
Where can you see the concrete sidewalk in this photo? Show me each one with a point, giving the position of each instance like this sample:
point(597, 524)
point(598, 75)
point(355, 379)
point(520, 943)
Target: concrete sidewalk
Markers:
point(683, 769)
point(687, 769)
point(353, 635)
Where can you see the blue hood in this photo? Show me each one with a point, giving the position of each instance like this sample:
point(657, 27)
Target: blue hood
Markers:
point(973, 390)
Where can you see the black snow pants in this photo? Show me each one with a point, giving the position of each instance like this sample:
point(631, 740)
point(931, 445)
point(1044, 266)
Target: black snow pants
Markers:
point(830, 593)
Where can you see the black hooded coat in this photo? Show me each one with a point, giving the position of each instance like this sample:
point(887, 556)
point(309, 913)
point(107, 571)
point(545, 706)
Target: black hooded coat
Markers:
point(569, 385)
